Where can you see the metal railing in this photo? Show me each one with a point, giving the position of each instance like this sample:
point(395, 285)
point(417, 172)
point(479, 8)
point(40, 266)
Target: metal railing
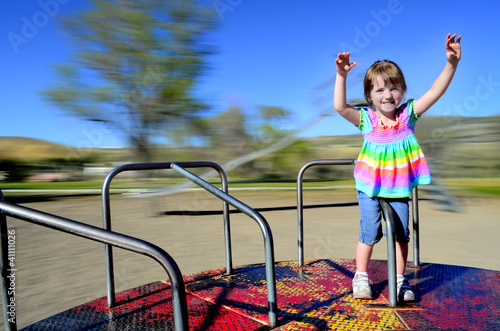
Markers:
point(221, 194)
point(106, 213)
point(93, 233)
point(300, 209)
point(300, 199)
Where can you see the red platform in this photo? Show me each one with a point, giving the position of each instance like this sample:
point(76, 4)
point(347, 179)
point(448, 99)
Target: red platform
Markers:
point(317, 296)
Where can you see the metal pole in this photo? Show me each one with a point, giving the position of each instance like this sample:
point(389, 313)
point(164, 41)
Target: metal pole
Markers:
point(416, 232)
point(266, 232)
point(300, 215)
point(391, 250)
point(108, 249)
point(8, 297)
point(300, 202)
point(115, 239)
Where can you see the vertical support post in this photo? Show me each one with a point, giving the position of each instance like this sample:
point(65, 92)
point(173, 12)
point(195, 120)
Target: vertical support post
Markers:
point(300, 216)
point(227, 233)
point(391, 251)
point(416, 233)
point(8, 297)
point(108, 249)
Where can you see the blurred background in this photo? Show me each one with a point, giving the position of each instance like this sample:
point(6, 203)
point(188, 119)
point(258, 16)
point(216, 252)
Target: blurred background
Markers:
point(245, 84)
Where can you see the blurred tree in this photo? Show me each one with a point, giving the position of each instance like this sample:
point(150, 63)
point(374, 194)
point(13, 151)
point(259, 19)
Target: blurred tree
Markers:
point(270, 117)
point(259, 143)
point(284, 161)
point(14, 171)
point(136, 66)
point(228, 130)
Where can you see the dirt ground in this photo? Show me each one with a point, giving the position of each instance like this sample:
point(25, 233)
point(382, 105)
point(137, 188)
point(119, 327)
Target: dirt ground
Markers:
point(57, 271)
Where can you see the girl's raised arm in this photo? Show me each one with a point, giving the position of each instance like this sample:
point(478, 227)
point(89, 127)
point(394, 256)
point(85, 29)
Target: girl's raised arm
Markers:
point(453, 54)
point(339, 95)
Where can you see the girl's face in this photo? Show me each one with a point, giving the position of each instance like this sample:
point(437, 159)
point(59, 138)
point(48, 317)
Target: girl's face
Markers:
point(386, 98)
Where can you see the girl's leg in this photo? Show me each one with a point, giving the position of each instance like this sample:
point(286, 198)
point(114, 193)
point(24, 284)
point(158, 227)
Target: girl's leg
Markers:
point(370, 230)
point(363, 256)
point(370, 233)
point(401, 257)
point(402, 216)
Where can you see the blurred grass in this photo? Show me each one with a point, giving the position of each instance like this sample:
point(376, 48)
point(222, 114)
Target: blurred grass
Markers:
point(155, 183)
point(490, 186)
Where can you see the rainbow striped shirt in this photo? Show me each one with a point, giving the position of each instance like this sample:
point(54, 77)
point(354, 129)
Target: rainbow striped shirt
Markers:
point(391, 162)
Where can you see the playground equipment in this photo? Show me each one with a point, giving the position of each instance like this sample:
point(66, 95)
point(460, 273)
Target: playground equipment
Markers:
point(302, 295)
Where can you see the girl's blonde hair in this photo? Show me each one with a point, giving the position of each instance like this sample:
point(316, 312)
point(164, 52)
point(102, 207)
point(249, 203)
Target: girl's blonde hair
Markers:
point(388, 71)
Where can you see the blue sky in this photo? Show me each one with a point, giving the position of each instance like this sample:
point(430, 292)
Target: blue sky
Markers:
point(274, 53)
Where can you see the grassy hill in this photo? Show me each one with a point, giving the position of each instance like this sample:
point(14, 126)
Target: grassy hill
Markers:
point(35, 150)
point(24, 149)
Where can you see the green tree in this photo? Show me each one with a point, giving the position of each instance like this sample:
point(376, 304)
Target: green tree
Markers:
point(136, 67)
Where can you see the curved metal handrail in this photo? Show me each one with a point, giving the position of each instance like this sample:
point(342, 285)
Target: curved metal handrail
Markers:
point(100, 235)
point(300, 199)
point(264, 226)
point(300, 209)
point(106, 211)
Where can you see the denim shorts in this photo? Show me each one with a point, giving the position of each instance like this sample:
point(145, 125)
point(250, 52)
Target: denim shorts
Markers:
point(371, 219)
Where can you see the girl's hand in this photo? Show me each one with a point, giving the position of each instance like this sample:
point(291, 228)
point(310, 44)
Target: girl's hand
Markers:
point(453, 49)
point(343, 65)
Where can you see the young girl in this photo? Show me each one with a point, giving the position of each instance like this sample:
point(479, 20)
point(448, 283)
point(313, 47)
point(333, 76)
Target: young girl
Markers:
point(391, 162)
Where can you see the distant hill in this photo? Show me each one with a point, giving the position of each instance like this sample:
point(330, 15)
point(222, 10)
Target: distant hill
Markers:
point(24, 149)
point(33, 150)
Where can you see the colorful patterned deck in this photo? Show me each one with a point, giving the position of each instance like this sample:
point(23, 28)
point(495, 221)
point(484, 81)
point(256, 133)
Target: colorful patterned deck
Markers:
point(314, 297)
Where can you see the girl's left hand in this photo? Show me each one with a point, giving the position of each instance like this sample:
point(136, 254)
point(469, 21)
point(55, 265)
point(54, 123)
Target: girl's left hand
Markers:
point(453, 49)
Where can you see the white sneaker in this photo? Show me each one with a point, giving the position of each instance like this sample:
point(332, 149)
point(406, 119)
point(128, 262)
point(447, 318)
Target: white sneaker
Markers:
point(361, 287)
point(404, 290)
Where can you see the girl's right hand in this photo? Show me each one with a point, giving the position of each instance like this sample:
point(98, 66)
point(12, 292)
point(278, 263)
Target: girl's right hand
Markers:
point(453, 49)
point(343, 65)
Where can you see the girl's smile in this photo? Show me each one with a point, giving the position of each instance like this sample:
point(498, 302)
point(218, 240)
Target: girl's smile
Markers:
point(386, 97)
